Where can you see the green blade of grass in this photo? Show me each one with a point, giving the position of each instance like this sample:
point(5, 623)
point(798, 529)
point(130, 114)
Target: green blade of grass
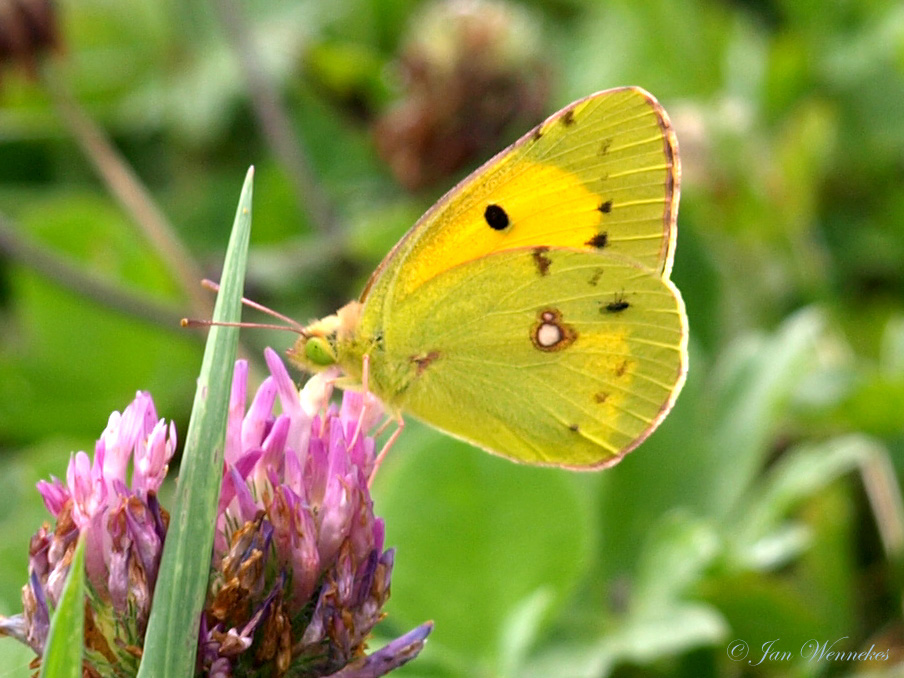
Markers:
point(63, 651)
point(172, 636)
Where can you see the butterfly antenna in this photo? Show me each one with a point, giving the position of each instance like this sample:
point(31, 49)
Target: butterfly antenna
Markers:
point(193, 322)
point(211, 285)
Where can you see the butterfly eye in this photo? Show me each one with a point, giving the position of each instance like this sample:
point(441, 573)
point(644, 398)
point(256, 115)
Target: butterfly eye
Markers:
point(318, 351)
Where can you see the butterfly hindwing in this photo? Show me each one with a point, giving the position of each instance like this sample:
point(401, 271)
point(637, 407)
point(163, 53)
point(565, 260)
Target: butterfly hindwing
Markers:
point(545, 355)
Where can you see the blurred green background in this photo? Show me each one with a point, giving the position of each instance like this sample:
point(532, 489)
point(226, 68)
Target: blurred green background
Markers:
point(768, 505)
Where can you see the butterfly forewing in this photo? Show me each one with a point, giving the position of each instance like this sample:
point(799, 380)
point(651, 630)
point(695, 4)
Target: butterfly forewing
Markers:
point(600, 175)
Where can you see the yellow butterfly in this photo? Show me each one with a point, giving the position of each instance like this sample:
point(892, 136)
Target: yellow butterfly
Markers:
point(530, 311)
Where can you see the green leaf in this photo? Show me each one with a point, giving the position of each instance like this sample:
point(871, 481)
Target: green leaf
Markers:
point(641, 640)
point(520, 631)
point(63, 652)
point(759, 376)
point(172, 636)
point(676, 552)
point(478, 538)
point(670, 630)
point(760, 537)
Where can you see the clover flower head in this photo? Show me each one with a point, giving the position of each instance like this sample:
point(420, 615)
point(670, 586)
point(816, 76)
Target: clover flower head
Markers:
point(299, 572)
point(112, 502)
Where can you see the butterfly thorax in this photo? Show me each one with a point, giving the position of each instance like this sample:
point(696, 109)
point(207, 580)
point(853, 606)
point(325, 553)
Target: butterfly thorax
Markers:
point(342, 340)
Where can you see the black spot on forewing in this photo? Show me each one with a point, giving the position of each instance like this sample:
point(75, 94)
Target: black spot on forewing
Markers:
point(599, 241)
point(600, 397)
point(574, 427)
point(605, 207)
point(568, 118)
point(496, 217)
point(541, 261)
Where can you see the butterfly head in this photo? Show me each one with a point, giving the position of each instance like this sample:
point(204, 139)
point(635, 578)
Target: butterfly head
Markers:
point(318, 347)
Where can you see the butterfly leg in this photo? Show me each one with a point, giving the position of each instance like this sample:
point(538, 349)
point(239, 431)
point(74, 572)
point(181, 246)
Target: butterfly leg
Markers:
point(400, 426)
point(365, 372)
point(385, 425)
point(362, 417)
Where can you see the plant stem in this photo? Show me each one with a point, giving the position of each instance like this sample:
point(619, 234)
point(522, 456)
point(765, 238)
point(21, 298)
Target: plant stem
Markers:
point(77, 281)
point(134, 198)
point(284, 143)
